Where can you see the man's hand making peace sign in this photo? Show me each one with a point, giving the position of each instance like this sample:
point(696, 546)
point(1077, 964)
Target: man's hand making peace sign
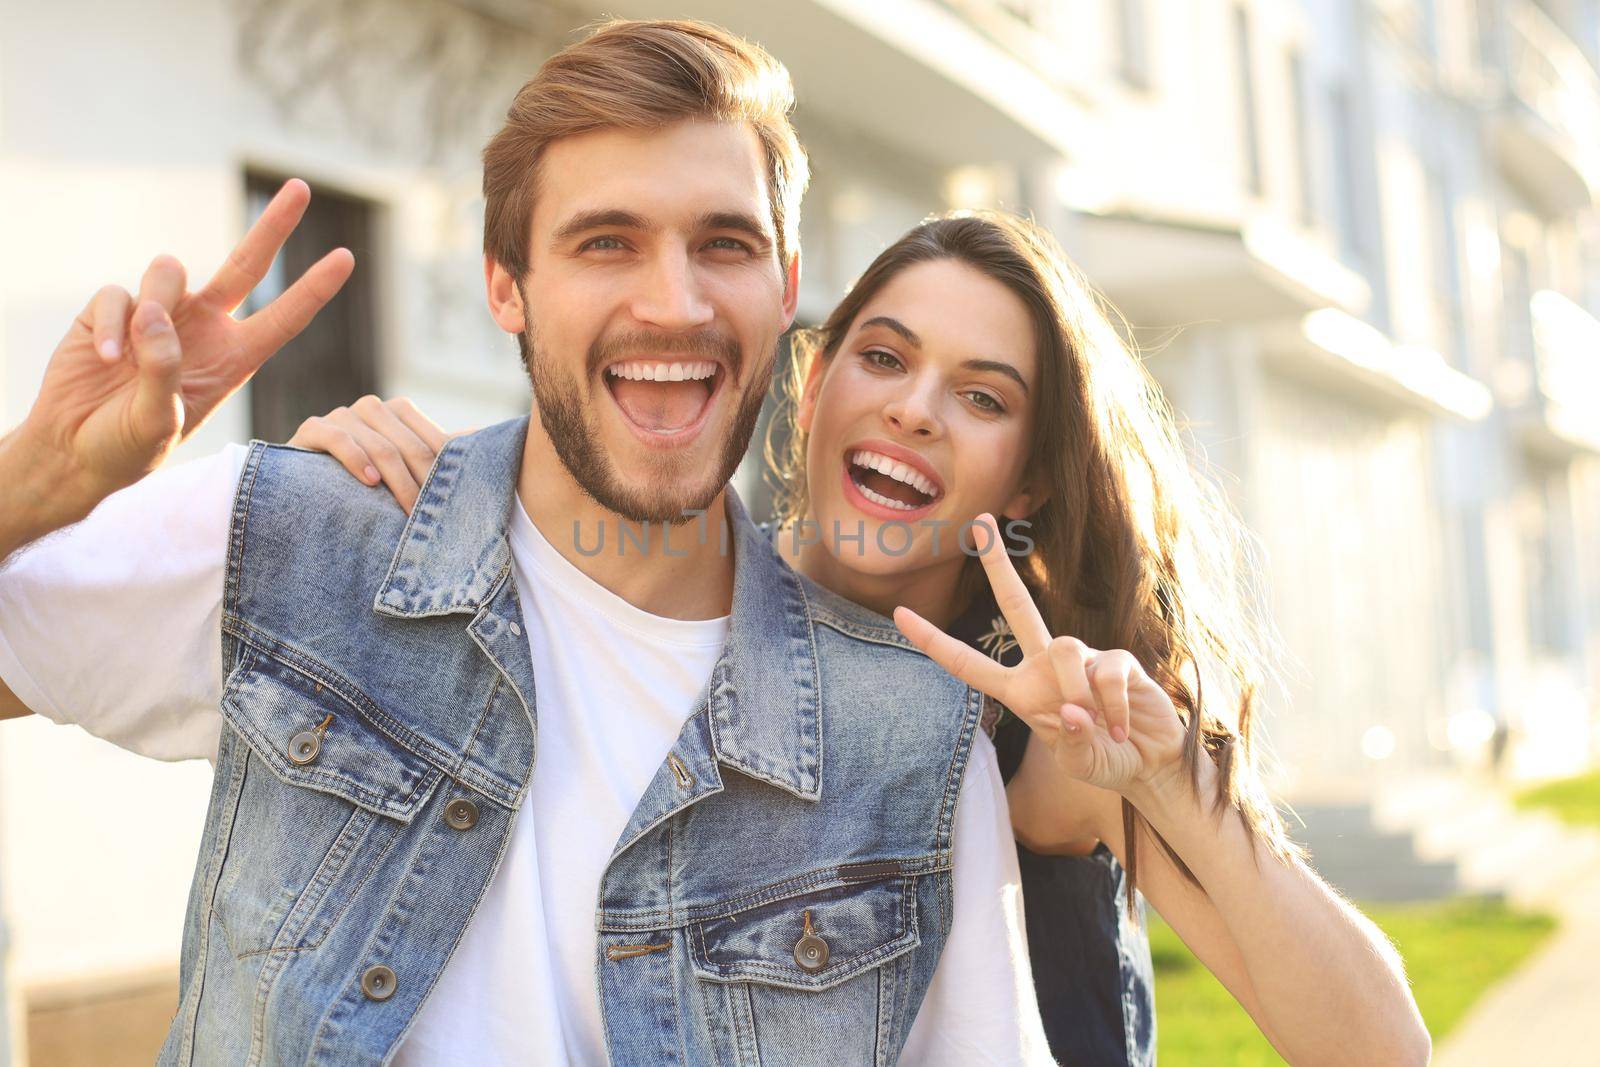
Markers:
point(1104, 721)
point(134, 376)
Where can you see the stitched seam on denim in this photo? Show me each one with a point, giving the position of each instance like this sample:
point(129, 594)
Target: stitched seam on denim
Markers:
point(664, 816)
point(494, 867)
point(615, 921)
point(240, 521)
point(958, 765)
point(813, 686)
point(744, 993)
point(801, 886)
point(377, 947)
point(418, 509)
point(784, 977)
point(219, 857)
point(316, 671)
point(529, 712)
point(874, 634)
point(367, 713)
point(387, 826)
point(472, 739)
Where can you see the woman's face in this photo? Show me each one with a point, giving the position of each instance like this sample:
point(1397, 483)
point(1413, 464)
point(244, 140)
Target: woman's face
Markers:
point(921, 420)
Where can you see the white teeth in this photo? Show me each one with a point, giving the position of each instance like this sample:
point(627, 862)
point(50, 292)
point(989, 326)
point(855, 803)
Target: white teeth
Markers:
point(900, 472)
point(640, 371)
point(879, 498)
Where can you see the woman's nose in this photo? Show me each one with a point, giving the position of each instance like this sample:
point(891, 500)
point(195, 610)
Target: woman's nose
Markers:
point(913, 414)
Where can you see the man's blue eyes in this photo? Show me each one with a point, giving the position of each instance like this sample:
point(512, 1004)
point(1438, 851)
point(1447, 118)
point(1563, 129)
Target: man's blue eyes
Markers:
point(615, 244)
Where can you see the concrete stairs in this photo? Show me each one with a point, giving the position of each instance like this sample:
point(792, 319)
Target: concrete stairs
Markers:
point(1442, 836)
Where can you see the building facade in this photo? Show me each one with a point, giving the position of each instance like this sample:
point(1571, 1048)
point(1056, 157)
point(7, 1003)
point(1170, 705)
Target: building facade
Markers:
point(1355, 239)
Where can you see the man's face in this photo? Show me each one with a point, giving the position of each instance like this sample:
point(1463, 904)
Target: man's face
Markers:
point(653, 304)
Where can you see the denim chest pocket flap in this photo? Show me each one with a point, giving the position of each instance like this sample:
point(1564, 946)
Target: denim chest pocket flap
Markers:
point(812, 941)
point(312, 736)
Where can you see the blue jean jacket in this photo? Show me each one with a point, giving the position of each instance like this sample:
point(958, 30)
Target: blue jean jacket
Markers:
point(380, 730)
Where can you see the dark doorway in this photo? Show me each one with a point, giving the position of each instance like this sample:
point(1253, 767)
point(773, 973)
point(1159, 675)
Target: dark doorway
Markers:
point(334, 360)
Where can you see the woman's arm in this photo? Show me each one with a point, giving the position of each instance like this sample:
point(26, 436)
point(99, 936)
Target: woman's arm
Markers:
point(1320, 980)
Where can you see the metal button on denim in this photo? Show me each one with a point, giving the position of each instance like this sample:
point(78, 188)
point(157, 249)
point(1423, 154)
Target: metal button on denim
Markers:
point(811, 953)
point(461, 814)
point(304, 746)
point(516, 631)
point(378, 982)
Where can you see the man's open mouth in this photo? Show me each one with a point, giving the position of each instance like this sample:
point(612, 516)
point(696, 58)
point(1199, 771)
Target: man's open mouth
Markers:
point(890, 483)
point(663, 398)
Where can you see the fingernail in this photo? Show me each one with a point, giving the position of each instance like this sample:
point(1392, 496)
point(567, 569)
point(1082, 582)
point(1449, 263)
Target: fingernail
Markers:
point(371, 474)
point(110, 348)
point(1118, 734)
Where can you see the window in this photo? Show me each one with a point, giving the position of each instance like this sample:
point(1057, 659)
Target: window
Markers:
point(1306, 187)
point(1247, 102)
point(1352, 222)
point(1133, 42)
point(334, 360)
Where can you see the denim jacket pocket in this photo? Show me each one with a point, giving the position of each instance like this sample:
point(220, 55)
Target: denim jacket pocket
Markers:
point(322, 794)
point(772, 994)
point(861, 926)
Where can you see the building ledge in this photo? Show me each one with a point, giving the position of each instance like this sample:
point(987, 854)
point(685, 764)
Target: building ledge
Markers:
point(1332, 347)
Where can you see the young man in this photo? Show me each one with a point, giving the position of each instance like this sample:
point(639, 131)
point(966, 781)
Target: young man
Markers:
point(442, 828)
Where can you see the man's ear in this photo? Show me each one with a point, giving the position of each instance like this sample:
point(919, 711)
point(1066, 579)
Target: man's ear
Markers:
point(791, 290)
point(505, 299)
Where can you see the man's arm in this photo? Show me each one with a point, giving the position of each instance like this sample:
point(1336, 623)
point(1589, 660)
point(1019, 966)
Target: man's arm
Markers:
point(135, 376)
point(10, 706)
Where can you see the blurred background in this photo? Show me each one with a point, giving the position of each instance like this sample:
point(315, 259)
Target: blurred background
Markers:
point(1356, 239)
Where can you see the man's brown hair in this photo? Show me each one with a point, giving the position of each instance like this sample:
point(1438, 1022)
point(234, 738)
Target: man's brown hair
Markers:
point(641, 75)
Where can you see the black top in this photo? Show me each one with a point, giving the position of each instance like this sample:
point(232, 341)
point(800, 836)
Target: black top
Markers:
point(1091, 965)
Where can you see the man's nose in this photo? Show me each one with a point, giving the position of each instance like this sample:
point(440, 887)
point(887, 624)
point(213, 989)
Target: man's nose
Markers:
point(671, 295)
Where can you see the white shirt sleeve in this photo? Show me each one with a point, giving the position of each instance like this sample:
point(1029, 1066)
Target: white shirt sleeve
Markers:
point(115, 624)
point(981, 1007)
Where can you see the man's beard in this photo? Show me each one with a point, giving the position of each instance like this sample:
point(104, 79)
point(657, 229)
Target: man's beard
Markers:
point(570, 425)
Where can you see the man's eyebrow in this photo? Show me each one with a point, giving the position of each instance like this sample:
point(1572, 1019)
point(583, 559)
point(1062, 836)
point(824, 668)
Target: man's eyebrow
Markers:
point(737, 221)
point(584, 221)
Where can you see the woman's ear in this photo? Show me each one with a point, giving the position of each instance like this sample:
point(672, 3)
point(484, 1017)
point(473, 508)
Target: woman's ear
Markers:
point(806, 409)
point(1027, 501)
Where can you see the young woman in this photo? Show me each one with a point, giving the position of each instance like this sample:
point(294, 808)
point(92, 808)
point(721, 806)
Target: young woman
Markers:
point(967, 374)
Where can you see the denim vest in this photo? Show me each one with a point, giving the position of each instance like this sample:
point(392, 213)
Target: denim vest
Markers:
point(782, 891)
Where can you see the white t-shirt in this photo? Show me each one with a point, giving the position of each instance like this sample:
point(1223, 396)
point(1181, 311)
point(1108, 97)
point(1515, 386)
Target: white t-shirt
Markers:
point(115, 625)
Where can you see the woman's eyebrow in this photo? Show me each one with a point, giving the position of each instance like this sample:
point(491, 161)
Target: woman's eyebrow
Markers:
point(998, 367)
point(897, 326)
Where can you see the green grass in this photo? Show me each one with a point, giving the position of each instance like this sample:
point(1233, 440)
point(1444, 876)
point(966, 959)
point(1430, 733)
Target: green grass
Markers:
point(1454, 950)
point(1573, 800)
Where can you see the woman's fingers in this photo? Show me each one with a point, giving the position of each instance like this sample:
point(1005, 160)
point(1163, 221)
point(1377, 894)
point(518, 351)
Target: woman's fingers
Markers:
point(1010, 595)
point(1108, 673)
point(382, 420)
point(320, 434)
point(430, 432)
point(960, 659)
point(1067, 656)
point(108, 321)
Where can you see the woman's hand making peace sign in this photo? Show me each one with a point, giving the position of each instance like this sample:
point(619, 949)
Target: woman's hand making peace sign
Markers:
point(1104, 721)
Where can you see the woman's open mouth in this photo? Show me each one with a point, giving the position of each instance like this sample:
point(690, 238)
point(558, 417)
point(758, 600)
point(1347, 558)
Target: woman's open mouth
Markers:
point(664, 401)
point(888, 483)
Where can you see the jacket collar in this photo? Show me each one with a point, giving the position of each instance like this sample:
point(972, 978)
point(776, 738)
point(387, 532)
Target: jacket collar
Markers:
point(763, 694)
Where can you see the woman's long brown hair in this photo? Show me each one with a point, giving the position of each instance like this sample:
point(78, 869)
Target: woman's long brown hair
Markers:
point(1134, 548)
